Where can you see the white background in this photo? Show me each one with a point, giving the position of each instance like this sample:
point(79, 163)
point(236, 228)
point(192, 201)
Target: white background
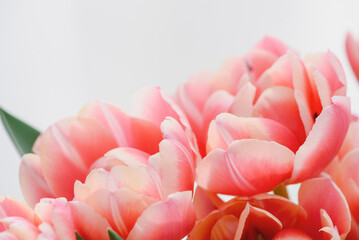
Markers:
point(57, 55)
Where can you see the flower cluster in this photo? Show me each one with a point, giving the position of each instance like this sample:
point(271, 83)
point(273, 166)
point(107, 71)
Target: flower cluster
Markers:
point(261, 122)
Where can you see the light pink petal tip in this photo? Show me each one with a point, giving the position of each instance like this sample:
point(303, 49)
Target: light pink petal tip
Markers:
point(247, 167)
point(324, 140)
point(272, 45)
point(173, 218)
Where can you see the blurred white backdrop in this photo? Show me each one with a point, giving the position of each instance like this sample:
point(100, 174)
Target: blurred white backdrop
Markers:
point(57, 55)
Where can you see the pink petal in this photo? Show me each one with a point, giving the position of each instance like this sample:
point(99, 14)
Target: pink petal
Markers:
point(272, 45)
point(242, 105)
point(254, 221)
point(228, 128)
point(279, 74)
point(32, 182)
point(129, 156)
point(321, 193)
point(278, 103)
point(87, 223)
point(331, 125)
point(302, 92)
point(287, 212)
point(68, 149)
point(352, 49)
point(257, 61)
point(351, 140)
point(146, 104)
point(205, 202)
point(13, 208)
point(176, 158)
point(225, 228)
point(128, 131)
point(247, 167)
point(20, 227)
point(291, 233)
point(120, 207)
point(170, 219)
point(218, 102)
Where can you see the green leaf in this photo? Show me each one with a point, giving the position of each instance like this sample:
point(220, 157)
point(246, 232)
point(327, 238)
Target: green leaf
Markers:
point(113, 235)
point(22, 135)
point(78, 237)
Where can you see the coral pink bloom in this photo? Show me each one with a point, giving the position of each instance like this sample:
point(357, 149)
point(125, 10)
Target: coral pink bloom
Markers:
point(322, 213)
point(345, 171)
point(352, 49)
point(52, 219)
point(142, 195)
point(277, 98)
point(252, 155)
point(70, 149)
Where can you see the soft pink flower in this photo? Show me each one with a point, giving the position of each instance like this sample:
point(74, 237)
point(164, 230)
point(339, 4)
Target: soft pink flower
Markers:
point(144, 196)
point(68, 150)
point(322, 213)
point(263, 118)
point(51, 219)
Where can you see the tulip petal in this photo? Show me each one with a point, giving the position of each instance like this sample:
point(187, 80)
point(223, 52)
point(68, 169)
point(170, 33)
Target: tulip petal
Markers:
point(21, 228)
point(128, 131)
point(331, 125)
point(255, 221)
point(247, 167)
point(278, 103)
point(176, 160)
point(225, 228)
point(205, 202)
point(68, 149)
point(352, 49)
point(272, 45)
point(170, 219)
point(351, 140)
point(242, 105)
point(226, 128)
point(129, 156)
point(32, 182)
point(321, 193)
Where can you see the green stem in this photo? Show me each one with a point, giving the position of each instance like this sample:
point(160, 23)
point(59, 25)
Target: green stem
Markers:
point(281, 190)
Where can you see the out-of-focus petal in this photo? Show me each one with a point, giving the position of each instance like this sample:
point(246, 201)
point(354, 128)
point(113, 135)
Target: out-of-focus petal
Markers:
point(227, 128)
point(278, 103)
point(255, 221)
point(68, 149)
point(316, 152)
point(272, 45)
point(351, 140)
point(352, 49)
point(21, 228)
point(170, 219)
point(32, 182)
point(247, 167)
point(290, 234)
point(322, 193)
point(13, 208)
point(128, 131)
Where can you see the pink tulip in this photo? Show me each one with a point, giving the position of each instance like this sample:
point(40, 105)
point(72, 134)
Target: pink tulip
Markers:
point(322, 213)
point(269, 112)
point(345, 171)
point(68, 150)
point(352, 49)
point(51, 219)
point(144, 196)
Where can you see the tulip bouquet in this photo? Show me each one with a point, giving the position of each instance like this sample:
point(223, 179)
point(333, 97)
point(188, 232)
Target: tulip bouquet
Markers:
point(262, 122)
